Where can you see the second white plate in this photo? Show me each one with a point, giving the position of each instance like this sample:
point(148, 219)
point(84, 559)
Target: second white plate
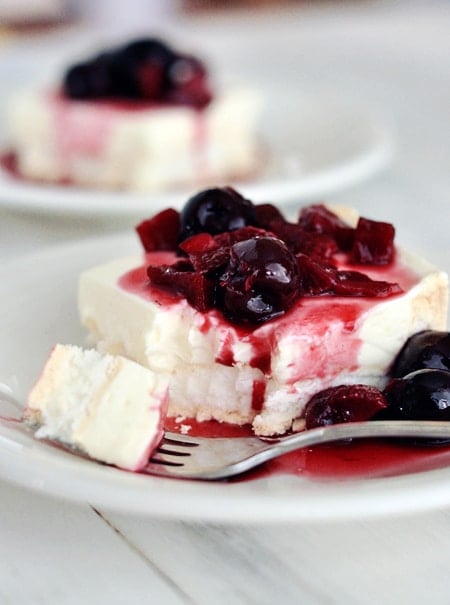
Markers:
point(318, 145)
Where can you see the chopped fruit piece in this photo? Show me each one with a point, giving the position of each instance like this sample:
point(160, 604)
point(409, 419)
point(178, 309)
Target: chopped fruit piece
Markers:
point(160, 232)
point(319, 219)
point(345, 403)
point(266, 213)
point(179, 278)
point(427, 349)
point(317, 245)
point(373, 243)
point(320, 278)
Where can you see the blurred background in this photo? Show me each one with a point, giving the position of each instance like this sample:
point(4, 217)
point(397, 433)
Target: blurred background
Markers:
point(388, 60)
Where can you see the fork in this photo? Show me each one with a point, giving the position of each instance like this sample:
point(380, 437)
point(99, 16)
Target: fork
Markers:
point(183, 457)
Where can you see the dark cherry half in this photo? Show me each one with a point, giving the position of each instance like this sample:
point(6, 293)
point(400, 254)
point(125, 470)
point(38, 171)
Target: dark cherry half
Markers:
point(260, 282)
point(421, 395)
point(344, 403)
point(428, 349)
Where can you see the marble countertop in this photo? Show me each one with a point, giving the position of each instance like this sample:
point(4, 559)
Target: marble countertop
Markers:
point(396, 56)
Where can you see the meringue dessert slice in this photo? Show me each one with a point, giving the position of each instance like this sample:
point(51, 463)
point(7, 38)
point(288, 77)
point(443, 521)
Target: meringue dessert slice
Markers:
point(107, 407)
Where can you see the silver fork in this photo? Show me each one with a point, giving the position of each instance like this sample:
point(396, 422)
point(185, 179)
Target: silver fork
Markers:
point(182, 457)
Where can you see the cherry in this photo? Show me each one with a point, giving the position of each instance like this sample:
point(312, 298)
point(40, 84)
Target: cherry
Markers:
point(145, 69)
point(260, 282)
point(420, 395)
point(215, 211)
point(427, 349)
point(344, 403)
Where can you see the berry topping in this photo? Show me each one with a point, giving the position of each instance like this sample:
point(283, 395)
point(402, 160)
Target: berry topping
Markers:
point(216, 211)
point(145, 69)
point(260, 281)
point(425, 350)
point(421, 395)
point(345, 403)
point(253, 263)
point(373, 243)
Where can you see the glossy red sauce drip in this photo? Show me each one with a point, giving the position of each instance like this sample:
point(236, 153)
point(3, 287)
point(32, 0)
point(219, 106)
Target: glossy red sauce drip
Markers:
point(340, 461)
point(316, 318)
point(258, 394)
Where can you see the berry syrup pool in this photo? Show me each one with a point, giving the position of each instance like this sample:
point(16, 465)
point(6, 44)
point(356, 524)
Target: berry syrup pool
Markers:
point(359, 459)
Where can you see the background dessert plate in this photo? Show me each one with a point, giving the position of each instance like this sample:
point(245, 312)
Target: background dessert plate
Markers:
point(315, 144)
point(38, 308)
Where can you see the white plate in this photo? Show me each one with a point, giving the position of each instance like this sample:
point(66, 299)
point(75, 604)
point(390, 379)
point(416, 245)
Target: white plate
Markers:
point(318, 145)
point(38, 308)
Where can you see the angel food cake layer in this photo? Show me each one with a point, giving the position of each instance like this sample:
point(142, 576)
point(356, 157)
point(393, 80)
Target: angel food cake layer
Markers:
point(249, 323)
point(141, 117)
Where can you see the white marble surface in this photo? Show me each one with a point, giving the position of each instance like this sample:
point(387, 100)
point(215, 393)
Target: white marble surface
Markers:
point(397, 56)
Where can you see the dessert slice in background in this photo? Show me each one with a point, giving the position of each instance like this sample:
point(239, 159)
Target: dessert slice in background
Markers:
point(140, 117)
point(107, 407)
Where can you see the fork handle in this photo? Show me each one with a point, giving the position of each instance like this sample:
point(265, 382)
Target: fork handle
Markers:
point(420, 429)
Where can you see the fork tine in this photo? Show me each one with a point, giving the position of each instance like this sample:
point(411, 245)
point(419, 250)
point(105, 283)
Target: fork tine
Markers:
point(180, 440)
point(172, 449)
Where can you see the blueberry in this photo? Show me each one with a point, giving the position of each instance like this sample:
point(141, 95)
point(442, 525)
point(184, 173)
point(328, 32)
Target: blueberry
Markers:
point(216, 211)
point(260, 282)
point(427, 349)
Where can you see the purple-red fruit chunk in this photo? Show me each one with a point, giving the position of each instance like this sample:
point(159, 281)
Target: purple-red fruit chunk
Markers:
point(267, 213)
point(318, 278)
point(160, 232)
point(317, 218)
point(315, 278)
point(345, 403)
point(298, 240)
point(373, 243)
point(215, 211)
point(421, 395)
point(260, 281)
point(181, 279)
point(205, 254)
point(187, 81)
point(354, 283)
point(429, 349)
